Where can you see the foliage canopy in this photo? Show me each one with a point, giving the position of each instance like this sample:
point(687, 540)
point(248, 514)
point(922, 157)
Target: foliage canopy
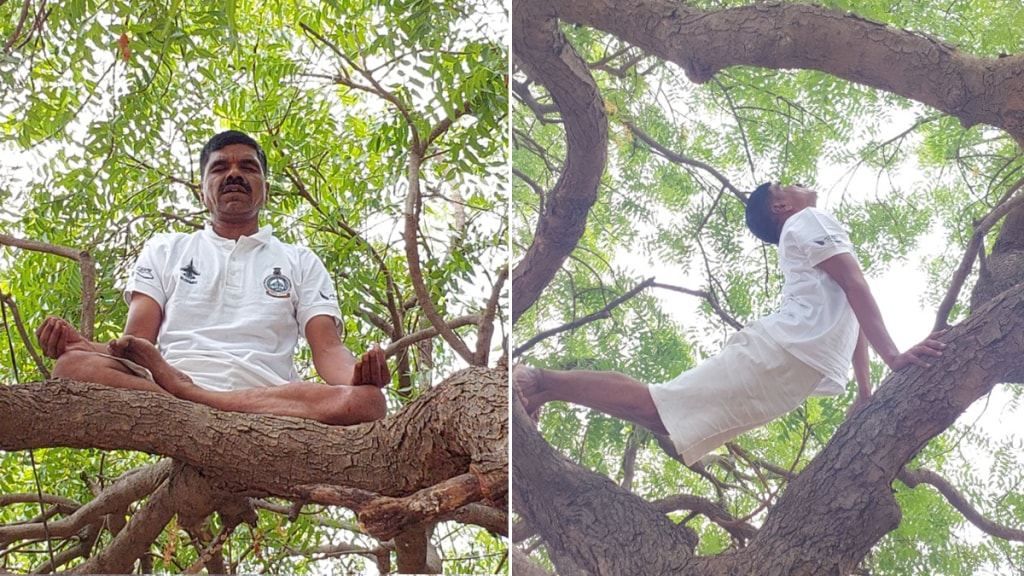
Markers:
point(383, 123)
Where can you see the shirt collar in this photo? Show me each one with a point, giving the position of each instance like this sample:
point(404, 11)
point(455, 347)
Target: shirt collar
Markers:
point(262, 236)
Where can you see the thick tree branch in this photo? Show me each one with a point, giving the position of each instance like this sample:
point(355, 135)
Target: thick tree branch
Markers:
point(114, 499)
point(464, 417)
point(183, 485)
point(781, 35)
point(546, 56)
point(622, 535)
point(385, 518)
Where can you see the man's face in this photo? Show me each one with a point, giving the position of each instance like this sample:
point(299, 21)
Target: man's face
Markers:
point(791, 198)
point(234, 187)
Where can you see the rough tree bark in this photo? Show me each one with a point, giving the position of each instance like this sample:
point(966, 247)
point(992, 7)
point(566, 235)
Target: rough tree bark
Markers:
point(841, 504)
point(547, 56)
point(442, 451)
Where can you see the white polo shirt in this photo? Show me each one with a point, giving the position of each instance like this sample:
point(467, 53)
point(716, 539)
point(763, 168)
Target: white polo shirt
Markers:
point(233, 311)
point(815, 322)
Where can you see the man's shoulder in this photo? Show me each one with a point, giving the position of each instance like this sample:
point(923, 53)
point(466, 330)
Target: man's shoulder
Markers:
point(814, 213)
point(813, 219)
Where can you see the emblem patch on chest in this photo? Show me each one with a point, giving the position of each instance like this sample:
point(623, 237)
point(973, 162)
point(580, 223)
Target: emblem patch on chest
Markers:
point(278, 285)
point(189, 273)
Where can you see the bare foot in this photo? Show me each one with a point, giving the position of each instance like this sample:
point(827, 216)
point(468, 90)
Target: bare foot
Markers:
point(144, 354)
point(528, 383)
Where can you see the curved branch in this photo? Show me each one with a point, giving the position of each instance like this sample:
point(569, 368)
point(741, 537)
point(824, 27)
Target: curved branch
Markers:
point(391, 291)
point(116, 498)
point(171, 497)
point(783, 35)
point(546, 55)
point(384, 518)
point(8, 300)
point(912, 478)
point(737, 528)
point(981, 229)
point(375, 88)
point(412, 255)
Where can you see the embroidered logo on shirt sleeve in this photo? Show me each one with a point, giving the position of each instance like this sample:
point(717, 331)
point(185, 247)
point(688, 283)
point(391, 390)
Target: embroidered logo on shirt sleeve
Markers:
point(830, 239)
point(144, 273)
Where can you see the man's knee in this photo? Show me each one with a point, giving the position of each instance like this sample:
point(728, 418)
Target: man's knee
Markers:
point(77, 365)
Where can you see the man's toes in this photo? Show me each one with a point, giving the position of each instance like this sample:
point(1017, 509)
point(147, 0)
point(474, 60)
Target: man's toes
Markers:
point(116, 348)
point(127, 346)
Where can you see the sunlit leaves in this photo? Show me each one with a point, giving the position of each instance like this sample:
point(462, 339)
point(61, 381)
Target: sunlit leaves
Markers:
point(103, 115)
point(907, 181)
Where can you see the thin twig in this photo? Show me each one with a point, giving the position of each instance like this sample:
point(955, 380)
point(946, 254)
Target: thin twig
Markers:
point(599, 315)
point(13, 307)
point(680, 159)
point(711, 299)
point(87, 265)
point(981, 228)
point(486, 325)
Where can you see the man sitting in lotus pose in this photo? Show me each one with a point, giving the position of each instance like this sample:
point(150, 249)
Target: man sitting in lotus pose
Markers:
point(227, 305)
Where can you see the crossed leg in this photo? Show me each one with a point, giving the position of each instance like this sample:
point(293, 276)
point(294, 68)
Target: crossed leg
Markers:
point(613, 393)
point(334, 405)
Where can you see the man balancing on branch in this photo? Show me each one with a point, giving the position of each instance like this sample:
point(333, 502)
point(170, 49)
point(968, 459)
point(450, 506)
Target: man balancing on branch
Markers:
point(227, 305)
point(826, 319)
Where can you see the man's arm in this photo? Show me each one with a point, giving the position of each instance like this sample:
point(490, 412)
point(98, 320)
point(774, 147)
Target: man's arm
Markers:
point(56, 335)
point(845, 270)
point(861, 372)
point(144, 317)
point(336, 364)
point(333, 361)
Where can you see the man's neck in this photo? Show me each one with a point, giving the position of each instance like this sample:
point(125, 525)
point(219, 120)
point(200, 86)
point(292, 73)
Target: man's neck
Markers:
point(235, 231)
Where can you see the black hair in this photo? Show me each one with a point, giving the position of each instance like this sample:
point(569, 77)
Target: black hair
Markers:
point(760, 219)
point(227, 138)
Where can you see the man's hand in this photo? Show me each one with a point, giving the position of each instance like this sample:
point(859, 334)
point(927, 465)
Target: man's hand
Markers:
point(56, 336)
point(928, 347)
point(372, 369)
point(857, 405)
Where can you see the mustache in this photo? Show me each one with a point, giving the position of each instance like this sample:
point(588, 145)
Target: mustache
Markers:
point(234, 181)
